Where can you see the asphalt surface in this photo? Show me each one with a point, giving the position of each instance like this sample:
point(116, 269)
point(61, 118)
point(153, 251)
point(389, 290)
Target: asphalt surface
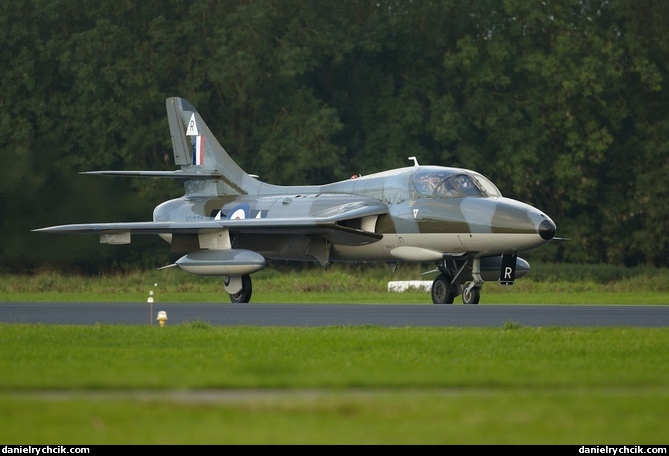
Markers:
point(313, 315)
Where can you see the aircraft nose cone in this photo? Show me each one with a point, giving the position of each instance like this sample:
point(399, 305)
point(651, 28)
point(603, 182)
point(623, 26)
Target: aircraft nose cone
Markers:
point(547, 229)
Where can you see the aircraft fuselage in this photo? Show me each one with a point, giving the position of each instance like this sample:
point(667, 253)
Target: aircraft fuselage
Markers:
point(416, 227)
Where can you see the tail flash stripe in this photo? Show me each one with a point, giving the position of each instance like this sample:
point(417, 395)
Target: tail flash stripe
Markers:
point(198, 158)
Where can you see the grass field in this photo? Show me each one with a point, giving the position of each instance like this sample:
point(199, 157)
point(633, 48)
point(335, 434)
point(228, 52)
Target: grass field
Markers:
point(546, 284)
point(199, 384)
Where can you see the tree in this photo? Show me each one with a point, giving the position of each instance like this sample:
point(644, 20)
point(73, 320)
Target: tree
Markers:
point(561, 103)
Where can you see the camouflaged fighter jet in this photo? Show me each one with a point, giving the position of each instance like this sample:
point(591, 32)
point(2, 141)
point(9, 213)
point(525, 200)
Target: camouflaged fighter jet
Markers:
point(229, 222)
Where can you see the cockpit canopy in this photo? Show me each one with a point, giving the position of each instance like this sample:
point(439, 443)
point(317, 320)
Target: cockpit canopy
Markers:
point(439, 182)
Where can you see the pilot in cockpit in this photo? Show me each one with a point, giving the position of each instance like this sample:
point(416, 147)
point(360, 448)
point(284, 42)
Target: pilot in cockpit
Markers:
point(465, 184)
point(446, 189)
point(443, 185)
point(428, 183)
point(433, 182)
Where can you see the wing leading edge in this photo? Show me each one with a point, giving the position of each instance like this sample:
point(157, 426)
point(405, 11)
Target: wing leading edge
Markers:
point(328, 225)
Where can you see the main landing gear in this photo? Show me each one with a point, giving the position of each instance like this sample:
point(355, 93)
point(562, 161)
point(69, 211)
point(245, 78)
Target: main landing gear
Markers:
point(451, 281)
point(239, 288)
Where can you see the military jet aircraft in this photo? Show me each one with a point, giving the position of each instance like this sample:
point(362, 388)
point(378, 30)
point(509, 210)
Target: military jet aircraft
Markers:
point(229, 222)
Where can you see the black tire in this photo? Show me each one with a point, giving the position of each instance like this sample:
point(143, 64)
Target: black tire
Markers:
point(472, 296)
point(442, 290)
point(243, 295)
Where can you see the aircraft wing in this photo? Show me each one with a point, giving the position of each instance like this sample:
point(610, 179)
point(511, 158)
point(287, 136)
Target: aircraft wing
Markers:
point(326, 223)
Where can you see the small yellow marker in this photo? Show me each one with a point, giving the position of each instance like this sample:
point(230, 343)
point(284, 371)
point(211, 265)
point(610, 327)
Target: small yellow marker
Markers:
point(162, 317)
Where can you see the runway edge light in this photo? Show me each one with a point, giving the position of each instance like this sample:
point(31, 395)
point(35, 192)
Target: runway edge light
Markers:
point(149, 301)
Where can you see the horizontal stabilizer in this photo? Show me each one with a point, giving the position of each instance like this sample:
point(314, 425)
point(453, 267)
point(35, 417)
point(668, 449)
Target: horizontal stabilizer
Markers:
point(206, 174)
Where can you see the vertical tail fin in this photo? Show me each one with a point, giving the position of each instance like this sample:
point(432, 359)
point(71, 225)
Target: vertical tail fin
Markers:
point(198, 152)
point(179, 140)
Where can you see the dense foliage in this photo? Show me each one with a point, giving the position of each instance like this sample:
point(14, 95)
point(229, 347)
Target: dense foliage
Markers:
point(561, 103)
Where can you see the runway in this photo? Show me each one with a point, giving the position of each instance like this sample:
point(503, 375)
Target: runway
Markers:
point(314, 315)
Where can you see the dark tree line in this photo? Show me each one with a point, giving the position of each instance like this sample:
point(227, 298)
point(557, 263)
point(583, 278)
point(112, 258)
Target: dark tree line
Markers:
point(562, 103)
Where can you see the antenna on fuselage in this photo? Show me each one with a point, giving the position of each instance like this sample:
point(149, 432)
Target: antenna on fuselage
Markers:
point(415, 160)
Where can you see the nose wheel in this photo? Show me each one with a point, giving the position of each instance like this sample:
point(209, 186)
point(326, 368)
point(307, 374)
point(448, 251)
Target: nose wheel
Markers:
point(471, 294)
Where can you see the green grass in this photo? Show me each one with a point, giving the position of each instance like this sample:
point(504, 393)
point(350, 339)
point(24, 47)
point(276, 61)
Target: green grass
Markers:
point(200, 384)
point(464, 417)
point(546, 284)
point(195, 383)
point(200, 356)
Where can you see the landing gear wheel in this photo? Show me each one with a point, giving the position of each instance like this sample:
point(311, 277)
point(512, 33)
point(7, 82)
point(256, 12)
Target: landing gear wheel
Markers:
point(471, 296)
point(243, 295)
point(442, 290)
